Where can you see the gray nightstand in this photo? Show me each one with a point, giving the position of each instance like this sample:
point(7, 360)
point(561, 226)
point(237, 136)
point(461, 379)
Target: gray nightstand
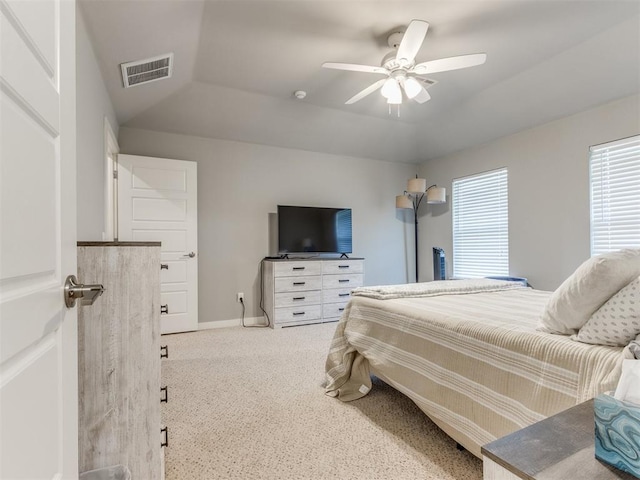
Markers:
point(560, 447)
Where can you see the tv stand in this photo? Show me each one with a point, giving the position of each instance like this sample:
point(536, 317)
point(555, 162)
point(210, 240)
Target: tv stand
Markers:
point(344, 255)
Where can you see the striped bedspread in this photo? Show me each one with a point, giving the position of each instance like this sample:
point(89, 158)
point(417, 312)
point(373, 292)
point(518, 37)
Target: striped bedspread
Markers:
point(473, 363)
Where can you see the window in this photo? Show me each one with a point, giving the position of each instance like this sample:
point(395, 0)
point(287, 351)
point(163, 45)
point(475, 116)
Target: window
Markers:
point(615, 195)
point(481, 225)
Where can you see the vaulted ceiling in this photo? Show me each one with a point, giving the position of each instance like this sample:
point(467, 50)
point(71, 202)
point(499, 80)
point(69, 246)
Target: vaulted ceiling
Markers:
point(237, 64)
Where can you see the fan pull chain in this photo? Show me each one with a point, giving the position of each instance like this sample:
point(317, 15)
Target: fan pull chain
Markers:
point(398, 112)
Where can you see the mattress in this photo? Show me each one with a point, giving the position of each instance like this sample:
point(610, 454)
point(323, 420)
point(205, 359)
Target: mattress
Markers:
point(472, 361)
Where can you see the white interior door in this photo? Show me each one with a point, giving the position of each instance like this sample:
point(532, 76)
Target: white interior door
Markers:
point(38, 349)
point(157, 201)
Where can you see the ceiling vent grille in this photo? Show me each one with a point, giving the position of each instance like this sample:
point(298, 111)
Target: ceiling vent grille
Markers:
point(147, 70)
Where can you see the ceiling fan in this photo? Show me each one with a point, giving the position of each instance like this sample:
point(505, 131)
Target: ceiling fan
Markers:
point(402, 73)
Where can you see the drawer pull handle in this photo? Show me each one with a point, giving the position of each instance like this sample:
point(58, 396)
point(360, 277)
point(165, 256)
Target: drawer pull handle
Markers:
point(295, 314)
point(343, 280)
point(165, 398)
point(164, 266)
point(343, 266)
point(299, 268)
point(344, 294)
point(164, 309)
point(299, 283)
point(299, 298)
point(164, 351)
point(341, 309)
point(166, 437)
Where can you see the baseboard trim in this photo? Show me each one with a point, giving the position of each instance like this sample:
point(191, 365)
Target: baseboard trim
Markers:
point(234, 322)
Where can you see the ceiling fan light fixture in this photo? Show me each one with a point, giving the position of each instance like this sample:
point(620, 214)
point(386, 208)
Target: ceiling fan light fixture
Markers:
point(412, 87)
point(395, 100)
point(391, 89)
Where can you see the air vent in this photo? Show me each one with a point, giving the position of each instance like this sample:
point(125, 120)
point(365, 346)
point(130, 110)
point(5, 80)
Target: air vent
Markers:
point(428, 82)
point(147, 70)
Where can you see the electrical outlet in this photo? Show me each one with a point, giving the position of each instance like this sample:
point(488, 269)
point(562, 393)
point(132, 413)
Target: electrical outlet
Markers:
point(239, 297)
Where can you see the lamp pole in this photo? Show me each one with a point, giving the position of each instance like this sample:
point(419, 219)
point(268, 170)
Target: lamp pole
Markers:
point(417, 199)
point(412, 198)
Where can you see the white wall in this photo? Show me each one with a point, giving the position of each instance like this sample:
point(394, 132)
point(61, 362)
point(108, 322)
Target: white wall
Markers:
point(548, 190)
point(241, 184)
point(92, 105)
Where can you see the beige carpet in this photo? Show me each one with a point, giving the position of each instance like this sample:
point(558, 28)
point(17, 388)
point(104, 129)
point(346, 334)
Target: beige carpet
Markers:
point(249, 404)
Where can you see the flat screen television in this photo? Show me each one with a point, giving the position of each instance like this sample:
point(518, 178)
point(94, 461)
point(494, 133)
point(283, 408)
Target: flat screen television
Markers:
point(314, 230)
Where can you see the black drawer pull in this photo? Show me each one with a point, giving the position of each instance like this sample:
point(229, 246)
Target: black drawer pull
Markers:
point(166, 437)
point(343, 266)
point(164, 351)
point(299, 298)
point(343, 280)
point(295, 314)
point(344, 294)
point(164, 309)
point(299, 283)
point(299, 268)
point(164, 266)
point(164, 399)
point(341, 309)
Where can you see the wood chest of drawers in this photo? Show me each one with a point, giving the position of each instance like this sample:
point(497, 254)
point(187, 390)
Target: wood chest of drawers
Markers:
point(299, 292)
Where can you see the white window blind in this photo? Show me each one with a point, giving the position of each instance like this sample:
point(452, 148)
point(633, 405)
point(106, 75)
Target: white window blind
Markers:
point(481, 225)
point(615, 195)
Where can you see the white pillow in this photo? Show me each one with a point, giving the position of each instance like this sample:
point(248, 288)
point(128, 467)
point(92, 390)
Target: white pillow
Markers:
point(593, 283)
point(634, 347)
point(617, 322)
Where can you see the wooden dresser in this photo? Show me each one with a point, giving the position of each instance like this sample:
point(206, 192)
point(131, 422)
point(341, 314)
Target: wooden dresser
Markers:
point(119, 358)
point(299, 292)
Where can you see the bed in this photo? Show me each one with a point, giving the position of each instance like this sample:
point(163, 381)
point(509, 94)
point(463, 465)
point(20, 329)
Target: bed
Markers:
point(467, 352)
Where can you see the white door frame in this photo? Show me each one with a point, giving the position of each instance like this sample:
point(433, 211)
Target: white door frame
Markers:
point(111, 150)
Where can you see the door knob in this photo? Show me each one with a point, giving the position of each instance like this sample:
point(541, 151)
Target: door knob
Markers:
point(73, 291)
point(190, 254)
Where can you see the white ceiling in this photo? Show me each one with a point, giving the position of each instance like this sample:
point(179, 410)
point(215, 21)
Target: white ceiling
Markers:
point(237, 64)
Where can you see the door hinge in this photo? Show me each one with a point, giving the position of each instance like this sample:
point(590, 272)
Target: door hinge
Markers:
point(115, 174)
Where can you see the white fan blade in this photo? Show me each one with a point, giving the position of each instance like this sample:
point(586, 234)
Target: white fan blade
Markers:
point(423, 96)
point(370, 89)
point(412, 41)
point(451, 63)
point(355, 68)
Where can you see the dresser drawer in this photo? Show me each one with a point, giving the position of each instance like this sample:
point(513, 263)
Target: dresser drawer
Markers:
point(342, 281)
point(336, 295)
point(342, 266)
point(296, 268)
point(288, 299)
point(302, 313)
point(333, 310)
point(297, 284)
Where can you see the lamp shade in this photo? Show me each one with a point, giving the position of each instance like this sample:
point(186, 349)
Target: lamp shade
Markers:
point(391, 89)
point(436, 195)
point(417, 185)
point(403, 201)
point(412, 87)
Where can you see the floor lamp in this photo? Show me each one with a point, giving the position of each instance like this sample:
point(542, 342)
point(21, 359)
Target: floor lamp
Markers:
point(412, 197)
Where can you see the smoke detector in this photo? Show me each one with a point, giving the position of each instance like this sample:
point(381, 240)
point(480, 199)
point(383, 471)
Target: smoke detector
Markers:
point(147, 70)
point(299, 94)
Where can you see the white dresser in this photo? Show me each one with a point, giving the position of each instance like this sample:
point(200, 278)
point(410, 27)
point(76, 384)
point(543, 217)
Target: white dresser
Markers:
point(299, 292)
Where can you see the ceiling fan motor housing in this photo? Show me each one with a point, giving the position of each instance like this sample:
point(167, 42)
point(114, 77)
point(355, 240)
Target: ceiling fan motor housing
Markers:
point(391, 63)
